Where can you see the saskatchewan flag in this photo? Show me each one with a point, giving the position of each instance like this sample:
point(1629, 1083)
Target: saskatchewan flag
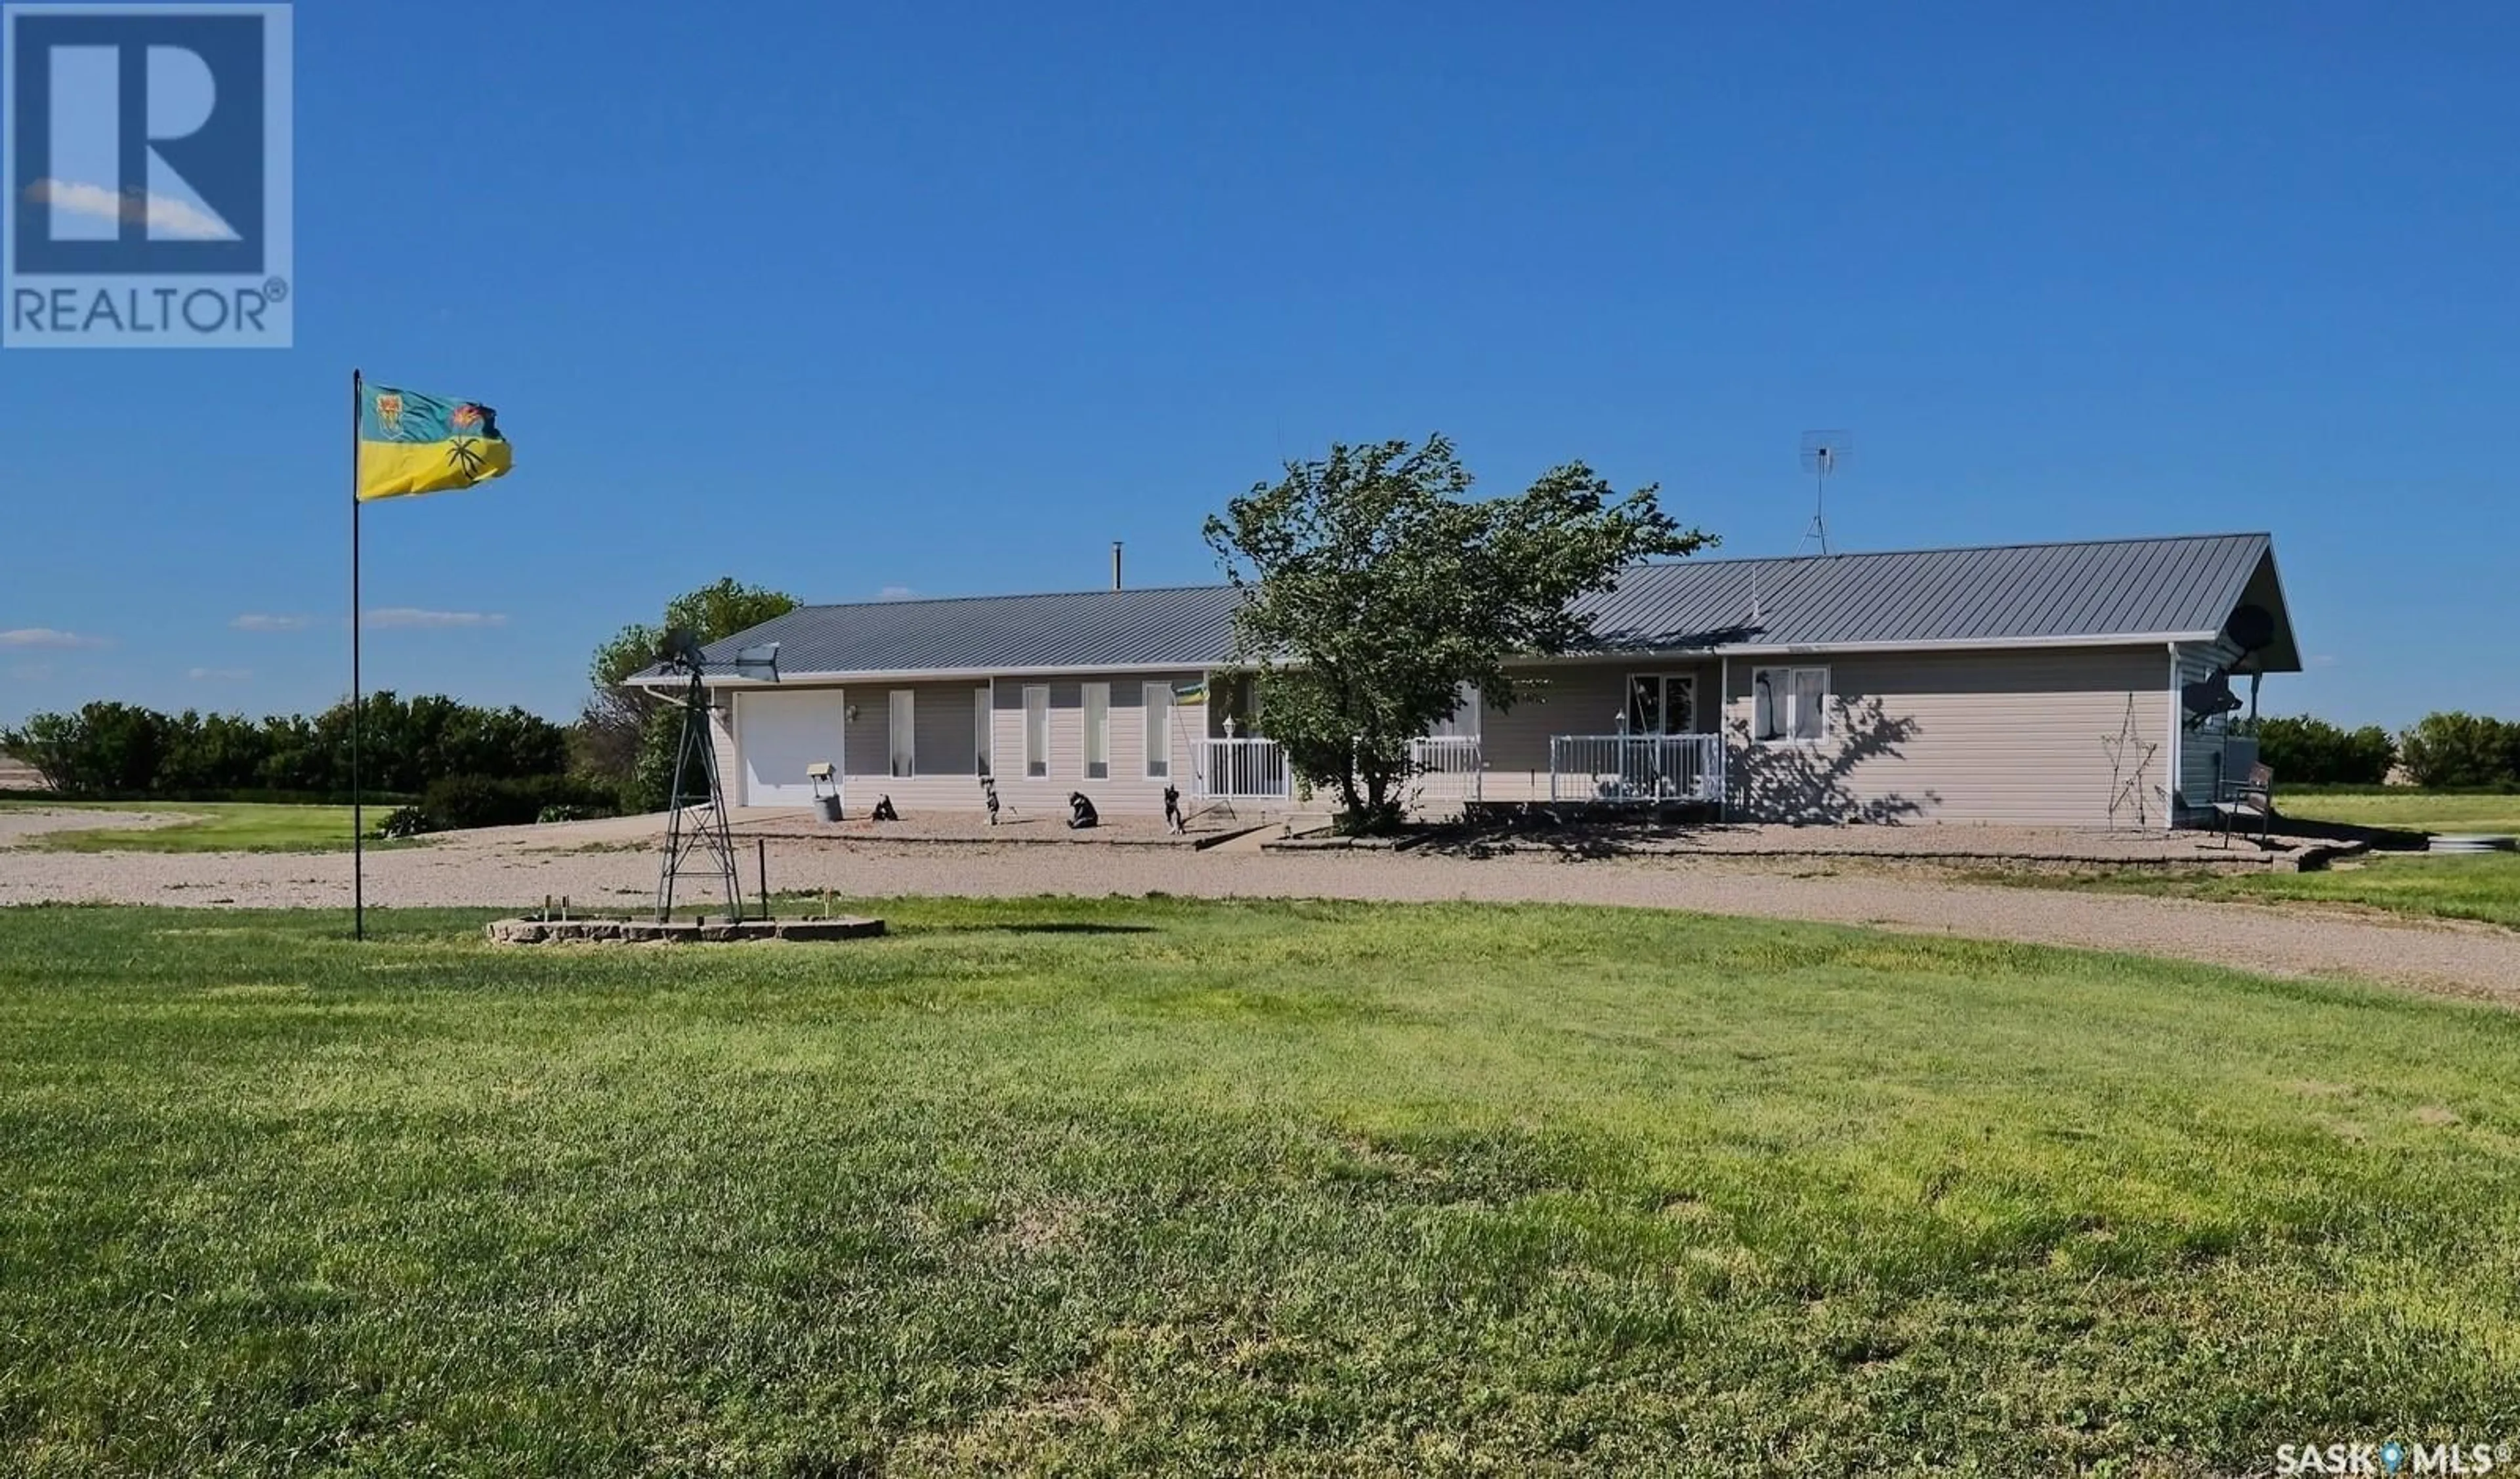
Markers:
point(413, 443)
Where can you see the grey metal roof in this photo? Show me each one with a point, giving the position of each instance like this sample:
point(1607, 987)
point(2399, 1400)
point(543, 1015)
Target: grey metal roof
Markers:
point(2093, 590)
point(2130, 589)
point(1177, 626)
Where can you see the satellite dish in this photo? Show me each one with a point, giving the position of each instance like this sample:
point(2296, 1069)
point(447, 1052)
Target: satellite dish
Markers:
point(2252, 628)
point(2209, 697)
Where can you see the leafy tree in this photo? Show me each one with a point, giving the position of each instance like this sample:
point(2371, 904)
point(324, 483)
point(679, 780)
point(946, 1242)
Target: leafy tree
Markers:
point(1376, 587)
point(2462, 749)
point(650, 785)
point(103, 747)
point(2315, 752)
point(407, 744)
point(50, 742)
point(606, 740)
point(214, 752)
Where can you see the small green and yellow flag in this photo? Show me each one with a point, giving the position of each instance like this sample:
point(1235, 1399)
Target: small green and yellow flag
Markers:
point(412, 443)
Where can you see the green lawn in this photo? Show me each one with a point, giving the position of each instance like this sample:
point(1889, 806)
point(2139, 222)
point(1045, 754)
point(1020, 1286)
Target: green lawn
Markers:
point(2408, 809)
point(1123, 1186)
point(219, 826)
point(2484, 888)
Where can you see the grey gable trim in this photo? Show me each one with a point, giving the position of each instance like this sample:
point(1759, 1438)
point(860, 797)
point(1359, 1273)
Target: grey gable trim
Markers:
point(2092, 592)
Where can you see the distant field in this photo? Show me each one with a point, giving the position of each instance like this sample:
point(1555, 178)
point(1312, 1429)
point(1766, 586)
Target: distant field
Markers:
point(1154, 1186)
point(2481, 888)
point(216, 826)
point(2413, 810)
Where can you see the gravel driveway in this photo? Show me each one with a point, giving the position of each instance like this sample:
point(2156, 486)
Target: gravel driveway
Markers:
point(614, 870)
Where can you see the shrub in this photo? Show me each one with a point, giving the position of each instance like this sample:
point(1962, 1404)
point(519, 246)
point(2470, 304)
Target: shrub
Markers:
point(405, 821)
point(121, 749)
point(2462, 749)
point(652, 782)
point(459, 802)
point(569, 811)
point(2308, 751)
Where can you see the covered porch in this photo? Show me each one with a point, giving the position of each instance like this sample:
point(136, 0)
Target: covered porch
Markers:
point(1622, 732)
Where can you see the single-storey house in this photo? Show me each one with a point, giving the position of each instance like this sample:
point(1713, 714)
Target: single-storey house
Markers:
point(2020, 684)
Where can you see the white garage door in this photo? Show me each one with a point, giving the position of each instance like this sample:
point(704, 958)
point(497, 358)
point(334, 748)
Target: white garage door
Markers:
point(782, 734)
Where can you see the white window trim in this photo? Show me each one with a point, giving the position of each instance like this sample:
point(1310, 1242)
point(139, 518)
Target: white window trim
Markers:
point(1096, 729)
point(1827, 703)
point(1032, 757)
point(901, 749)
point(983, 701)
point(1157, 733)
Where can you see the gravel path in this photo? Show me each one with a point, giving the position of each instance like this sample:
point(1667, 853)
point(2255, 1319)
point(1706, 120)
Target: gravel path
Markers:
point(616, 872)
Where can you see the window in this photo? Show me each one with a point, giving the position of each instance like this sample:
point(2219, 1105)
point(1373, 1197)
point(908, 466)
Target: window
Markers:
point(1464, 722)
point(1662, 703)
point(1788, 706)
point(1036, 729)
point(1159, 731)
point(1098, 731)
point(980, 699)
point(905, 733)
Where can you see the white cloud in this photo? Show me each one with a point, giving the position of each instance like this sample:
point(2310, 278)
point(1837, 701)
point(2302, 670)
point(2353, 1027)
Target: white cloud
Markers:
point(414, 617)
point(2323, 659)
point(220, 675)
point(164, 217)
point(261, 621)
point(32, 672)
point(895, 592)
point(46, 636)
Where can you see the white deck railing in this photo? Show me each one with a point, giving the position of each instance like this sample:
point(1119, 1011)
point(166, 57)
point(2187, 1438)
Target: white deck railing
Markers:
point(1240, 770)
point(1635, 768)
point(1446, 768)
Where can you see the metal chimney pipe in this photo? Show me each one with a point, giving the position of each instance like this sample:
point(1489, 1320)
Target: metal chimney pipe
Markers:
point(1115, 564)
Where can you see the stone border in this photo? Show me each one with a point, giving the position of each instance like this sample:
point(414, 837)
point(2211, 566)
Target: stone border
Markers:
point(522, 931)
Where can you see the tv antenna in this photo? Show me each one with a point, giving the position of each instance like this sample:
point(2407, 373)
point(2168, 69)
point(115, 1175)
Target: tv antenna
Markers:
point(1823, 453)
point(698, 843)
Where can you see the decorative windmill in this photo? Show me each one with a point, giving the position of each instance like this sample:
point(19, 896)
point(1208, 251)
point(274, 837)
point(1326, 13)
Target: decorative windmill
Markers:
point(698, 842)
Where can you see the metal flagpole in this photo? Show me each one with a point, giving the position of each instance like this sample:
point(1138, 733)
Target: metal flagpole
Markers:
point(358, 810)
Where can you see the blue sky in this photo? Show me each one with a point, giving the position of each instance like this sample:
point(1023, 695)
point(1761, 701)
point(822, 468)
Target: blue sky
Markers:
point(943, 299)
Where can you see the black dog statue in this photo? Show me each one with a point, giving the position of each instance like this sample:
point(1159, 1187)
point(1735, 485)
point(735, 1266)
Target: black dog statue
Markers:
point(1081, 813)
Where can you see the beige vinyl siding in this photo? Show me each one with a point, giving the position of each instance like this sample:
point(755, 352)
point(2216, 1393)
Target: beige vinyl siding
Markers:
point(866, 735)
point(1572, 699)
point(1967, 737)
point(1126, 791)
point(722, 743)
point(2200, 750)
